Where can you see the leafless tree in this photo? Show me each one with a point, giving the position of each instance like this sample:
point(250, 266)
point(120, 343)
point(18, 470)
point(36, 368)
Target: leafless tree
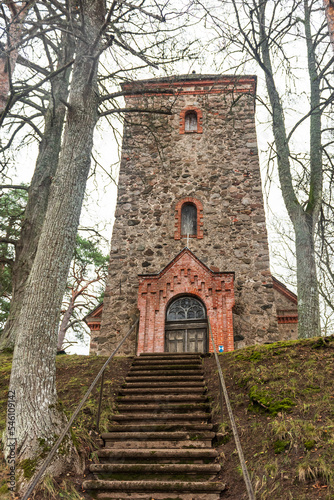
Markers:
point(117, 30)
point(263, 31)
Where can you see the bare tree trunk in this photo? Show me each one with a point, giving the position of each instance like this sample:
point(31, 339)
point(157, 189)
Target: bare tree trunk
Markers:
point(303, 220)
point(46, 167)
point(33, 370)
point(307, 283)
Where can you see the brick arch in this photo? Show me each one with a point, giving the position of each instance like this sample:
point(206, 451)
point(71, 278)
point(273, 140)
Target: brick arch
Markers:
point(180, 295)
point(185, 275)
point(199, 120)
point(178, 208)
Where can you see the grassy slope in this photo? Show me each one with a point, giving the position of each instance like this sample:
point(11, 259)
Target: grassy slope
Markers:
point(74, 376)
point(283, 398)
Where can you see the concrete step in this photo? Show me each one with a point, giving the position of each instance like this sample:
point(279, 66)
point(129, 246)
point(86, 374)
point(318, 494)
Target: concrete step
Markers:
point(156, 455)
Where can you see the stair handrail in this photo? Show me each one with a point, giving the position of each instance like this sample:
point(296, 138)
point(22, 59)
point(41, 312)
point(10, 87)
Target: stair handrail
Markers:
point(55, 447)
point(246, 477)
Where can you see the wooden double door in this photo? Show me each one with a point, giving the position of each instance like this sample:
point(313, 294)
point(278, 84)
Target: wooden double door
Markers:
point(186, 336)
point(186, 326)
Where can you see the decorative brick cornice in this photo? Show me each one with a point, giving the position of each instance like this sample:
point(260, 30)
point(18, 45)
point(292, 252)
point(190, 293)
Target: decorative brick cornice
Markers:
point(287, 319)
point(178, 208)
point(280, 287)
point(199, 114)
point(211, 84)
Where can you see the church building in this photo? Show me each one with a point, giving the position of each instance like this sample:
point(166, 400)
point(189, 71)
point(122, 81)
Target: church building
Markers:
point(189, 247)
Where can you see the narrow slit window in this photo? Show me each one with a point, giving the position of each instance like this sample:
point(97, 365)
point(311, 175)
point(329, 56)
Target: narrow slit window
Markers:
point(189, 220)
point(190, 123)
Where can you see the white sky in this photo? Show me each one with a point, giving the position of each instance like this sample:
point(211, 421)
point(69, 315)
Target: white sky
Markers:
point(101, 191)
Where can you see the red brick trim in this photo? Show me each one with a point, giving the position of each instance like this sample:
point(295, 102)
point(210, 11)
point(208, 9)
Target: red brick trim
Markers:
point(178, 207)
point(230, 83)
point(199, 120)
point(280, 287)
point(287, 319)
point(185, 275)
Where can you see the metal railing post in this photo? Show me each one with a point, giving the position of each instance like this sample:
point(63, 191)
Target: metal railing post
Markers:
point(100, 404)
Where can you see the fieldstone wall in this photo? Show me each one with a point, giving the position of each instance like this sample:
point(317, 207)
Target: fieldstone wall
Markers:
point(219, 167)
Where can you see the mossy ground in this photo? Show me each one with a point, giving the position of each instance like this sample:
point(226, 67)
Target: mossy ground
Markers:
point(283, 400)
point(74, 376)
point(282, 396)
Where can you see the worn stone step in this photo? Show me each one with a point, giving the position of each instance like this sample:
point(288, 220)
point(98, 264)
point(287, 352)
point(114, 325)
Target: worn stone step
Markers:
point(159, 444)
point(161, 427)
point(156, 455)
point(163, 361)
point(140, 436)
point(157, 468)
point(161, 390)
point(156, 495)
point(176, 366)
point(161, 469)
point(160, 440)
point(165, 379)
point(161, 395)
point(129, 396)
point(169, 354)
point(171, 384)
point(165, 417)
point(152, 486)
point(164, 372)
point(164, 407)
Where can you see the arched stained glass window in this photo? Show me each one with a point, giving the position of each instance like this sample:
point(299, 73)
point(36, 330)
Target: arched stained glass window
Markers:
point(188, 219)
point(190, 122)
point(185, 308)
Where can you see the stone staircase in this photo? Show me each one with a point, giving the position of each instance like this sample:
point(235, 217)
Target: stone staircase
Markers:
point(159, 446)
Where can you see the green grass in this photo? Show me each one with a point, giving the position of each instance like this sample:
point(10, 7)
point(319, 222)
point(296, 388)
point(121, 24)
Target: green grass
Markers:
point(283, 400)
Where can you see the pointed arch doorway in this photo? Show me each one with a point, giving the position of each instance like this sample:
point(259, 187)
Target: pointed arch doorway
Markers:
point(186, 326)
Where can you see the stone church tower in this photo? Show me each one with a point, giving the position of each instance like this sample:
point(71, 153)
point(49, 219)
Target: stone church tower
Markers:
point(189, 242)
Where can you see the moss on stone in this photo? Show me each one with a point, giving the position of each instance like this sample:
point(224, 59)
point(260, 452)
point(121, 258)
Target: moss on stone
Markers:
point(28, 466)
point(263, 400)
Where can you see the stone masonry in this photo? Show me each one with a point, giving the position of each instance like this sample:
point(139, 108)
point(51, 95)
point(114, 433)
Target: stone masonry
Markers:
point(217, 166)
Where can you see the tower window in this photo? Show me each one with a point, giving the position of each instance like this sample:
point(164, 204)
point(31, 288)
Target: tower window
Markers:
point(188, 219)
point(190, 122)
